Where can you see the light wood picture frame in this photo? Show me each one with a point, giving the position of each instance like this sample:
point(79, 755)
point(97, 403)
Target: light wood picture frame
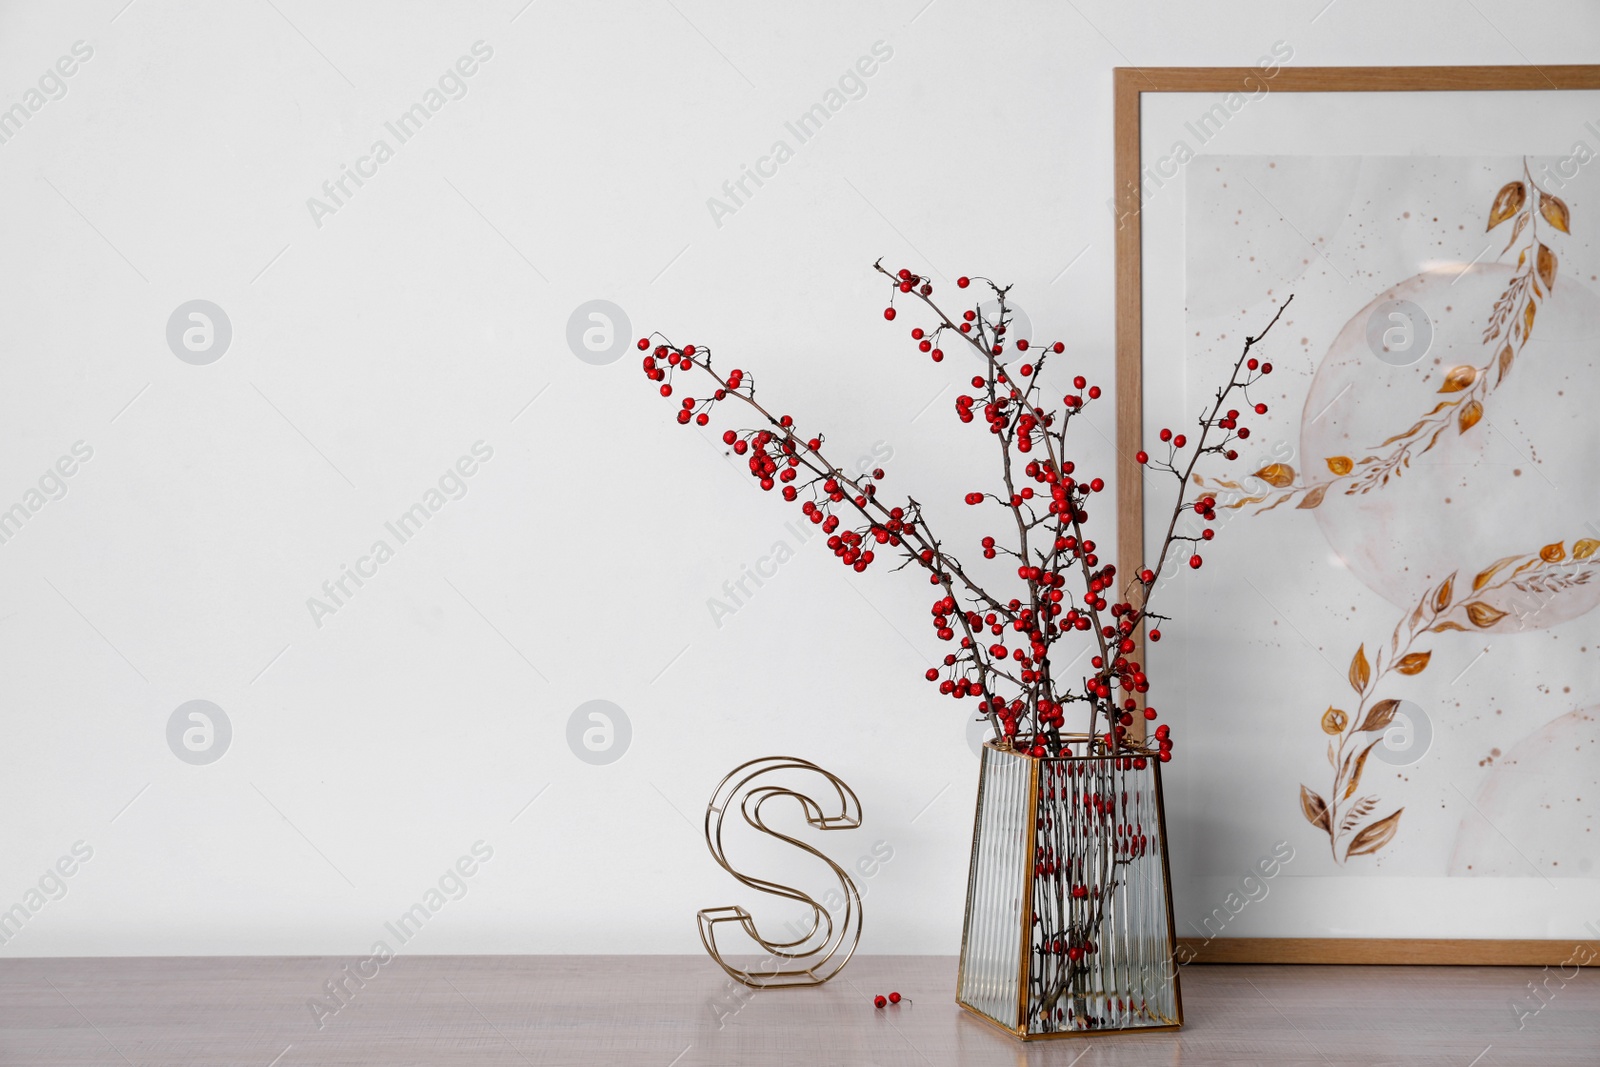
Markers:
point(1133, 87)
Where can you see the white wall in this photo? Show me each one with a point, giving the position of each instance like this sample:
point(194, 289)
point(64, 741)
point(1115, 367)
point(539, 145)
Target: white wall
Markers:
point(374, 346)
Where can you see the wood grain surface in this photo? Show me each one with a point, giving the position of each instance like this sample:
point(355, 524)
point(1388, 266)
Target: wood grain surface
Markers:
point(681, 1011)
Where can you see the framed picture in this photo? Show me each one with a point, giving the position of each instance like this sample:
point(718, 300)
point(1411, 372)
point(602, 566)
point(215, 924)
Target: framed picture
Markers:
point(1387, 672)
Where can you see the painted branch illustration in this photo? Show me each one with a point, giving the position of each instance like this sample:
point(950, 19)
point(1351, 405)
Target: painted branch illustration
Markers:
point(1466, 387)
point(1512, 586)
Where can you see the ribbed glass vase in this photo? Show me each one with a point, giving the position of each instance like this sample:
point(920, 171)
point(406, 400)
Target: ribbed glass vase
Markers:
point(1069, 918)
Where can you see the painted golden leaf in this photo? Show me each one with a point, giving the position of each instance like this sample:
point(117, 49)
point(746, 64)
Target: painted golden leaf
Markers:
point(1332, 762)
point(1413, 663)
point(1403, 433)
point(1469, 415)
point(1440, 406)
point(1314, 496)
point(1555, 212)
point(1334, 721)
point(1340, 465)
point(1527, 320)
point(1441, 599)
point(1506, 356)
point(1516, 231)
point(1380, 715)
point(1315, 810)
point(1507, 202)
point(1447, 625)
point(1375, 836)
point(1277, 475)
point(1553, 553)
point(1459, 378)
point(1489, 572)
point(1360, 670)
point(1482, 615)
point(1585, 548)
point(1355, 775)
point(1546, 263)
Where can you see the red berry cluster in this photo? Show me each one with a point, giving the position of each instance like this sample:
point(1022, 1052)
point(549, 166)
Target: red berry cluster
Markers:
point(1043, 502)
point(1245, 375)
point(880, 1001)
point(778, 457)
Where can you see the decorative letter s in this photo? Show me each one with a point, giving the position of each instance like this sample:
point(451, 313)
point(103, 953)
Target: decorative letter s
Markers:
point(815, 956)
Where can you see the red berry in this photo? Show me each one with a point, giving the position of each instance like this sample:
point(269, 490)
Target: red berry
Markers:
point(1194, 561)
point(894, 998)
point(1261, 409)
point(963, 281)
point(644, 344)
point(1155, 635)
point(879, 1001)
point(1142, 457)
point(888, 313)
point(1266, 368)
point(1058, 348)
point(1166, 435)
point(1022, 346)
point(1179, 441)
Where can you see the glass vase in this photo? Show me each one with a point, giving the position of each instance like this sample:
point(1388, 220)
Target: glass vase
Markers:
point(1069, 925)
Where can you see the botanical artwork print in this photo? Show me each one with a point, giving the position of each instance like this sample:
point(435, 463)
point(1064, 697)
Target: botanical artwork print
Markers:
point(1438, 447)
point(1509, 328)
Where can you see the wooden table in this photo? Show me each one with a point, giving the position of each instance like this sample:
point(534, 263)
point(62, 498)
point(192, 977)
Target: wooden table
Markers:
point(681, 1011)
